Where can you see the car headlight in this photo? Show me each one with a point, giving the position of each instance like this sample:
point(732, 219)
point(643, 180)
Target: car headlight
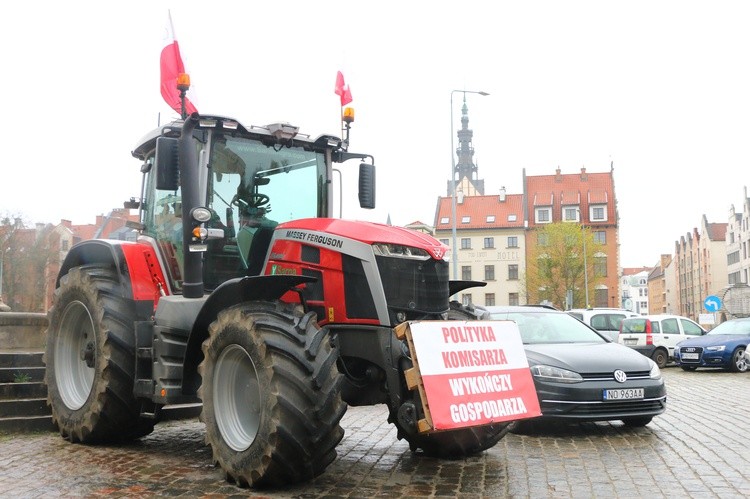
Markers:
point(551, 373)
point(717, 348)
point(655, 372)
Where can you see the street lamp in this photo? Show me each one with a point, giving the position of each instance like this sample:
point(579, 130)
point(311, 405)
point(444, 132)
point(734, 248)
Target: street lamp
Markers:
point(453, 182)
point(585, 266)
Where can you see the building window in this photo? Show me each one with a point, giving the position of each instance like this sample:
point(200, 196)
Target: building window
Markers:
point(513, 272)
point(489, 272)
point(543, 215)
point(65, 244)
point(733, 257)
point(444, 220)
point(489, 299)
point(600, 268)
point(513, 241)
point(466, 272)
point(489, 242)
point(598, 213)
point(445, 242)
point(600, 298)
point(490, 219)
point(465, 220)
point(600, 237)
point(466, 299)
point(512, 218)
point(542, 239)
point(512, 298)
point(465, 243)
point(570, 214)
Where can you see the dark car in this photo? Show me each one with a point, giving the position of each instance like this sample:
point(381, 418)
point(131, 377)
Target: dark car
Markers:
point(724, 346)
point(580, 375)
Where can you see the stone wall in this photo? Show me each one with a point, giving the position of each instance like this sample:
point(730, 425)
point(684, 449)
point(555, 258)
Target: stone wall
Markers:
point(22, 331)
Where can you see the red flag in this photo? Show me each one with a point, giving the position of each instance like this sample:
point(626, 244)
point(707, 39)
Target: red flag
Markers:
point(171, 67)
point(342, 89)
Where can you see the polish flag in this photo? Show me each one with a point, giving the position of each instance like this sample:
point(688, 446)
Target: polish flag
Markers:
point(171, 67)
point(343, 90)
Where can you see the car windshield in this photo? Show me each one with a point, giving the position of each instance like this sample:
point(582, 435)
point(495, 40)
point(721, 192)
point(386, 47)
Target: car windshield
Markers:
point(736, 327)
point(538, 327)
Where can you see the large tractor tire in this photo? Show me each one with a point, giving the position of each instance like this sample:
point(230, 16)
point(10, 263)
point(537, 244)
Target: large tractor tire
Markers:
point(271, 395)
point(455, 444)
point(90, 359)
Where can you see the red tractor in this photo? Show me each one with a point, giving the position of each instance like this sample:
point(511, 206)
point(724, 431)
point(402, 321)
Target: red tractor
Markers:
point(241, 292)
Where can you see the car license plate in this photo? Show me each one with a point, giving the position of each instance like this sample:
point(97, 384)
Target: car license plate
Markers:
point(631, 342)
point(623, 394)
point(689, 356)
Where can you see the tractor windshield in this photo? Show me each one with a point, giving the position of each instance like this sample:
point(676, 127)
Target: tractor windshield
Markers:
point(250, 188)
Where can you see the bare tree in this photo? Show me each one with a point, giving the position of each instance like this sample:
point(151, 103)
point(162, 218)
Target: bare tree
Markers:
point(25, 254)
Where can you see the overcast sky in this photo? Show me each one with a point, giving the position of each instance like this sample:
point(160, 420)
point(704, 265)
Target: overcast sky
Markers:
point(660, 89)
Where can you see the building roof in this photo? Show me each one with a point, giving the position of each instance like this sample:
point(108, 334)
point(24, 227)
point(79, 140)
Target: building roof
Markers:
point(483, 212)
point(626, 271)
point(582, 189)
point(717, 231)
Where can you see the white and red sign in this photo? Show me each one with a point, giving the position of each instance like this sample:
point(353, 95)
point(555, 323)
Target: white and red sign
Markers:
point(474, 372)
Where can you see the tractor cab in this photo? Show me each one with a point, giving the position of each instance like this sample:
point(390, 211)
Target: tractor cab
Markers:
point(249, 180)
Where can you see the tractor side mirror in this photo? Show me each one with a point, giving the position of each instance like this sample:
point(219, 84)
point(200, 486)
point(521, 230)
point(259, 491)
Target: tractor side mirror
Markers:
point(167, 166)
point(367, 186)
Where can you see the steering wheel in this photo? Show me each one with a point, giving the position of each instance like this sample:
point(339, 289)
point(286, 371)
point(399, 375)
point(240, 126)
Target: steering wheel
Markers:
point(255, 199)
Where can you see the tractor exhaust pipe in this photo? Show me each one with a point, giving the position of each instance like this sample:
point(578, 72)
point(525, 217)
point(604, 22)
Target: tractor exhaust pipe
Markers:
point(192, 286)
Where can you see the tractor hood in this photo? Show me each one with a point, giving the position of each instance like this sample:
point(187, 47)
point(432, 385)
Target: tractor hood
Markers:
point(369, 233)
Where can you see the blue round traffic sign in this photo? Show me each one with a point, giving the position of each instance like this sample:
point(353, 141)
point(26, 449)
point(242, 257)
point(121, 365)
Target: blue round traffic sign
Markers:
point(712, 303)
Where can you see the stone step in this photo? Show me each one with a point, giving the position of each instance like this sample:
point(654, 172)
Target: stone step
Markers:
point(16, 358)
point(26, 424)
point(21, 374)
point(24, 408)
point(13, 391)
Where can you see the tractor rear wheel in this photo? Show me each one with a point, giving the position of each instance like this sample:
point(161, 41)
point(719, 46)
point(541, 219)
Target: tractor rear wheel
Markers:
point(455, 444)
point(90, 359)
point(271, 394)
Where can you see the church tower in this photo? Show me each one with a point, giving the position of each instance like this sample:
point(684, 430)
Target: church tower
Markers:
point(465, 171)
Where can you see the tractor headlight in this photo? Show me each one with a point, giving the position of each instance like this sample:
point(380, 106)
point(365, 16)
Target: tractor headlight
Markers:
point(201, 214)
point(400, 251)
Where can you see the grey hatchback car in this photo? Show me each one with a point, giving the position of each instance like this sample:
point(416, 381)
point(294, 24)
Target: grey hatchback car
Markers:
point(580, 376)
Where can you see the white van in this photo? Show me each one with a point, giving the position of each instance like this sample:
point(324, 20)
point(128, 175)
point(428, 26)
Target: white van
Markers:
point(655, 336)
point(605, 320)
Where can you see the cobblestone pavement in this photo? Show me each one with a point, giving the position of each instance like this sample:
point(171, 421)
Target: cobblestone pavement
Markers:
point(695, 449)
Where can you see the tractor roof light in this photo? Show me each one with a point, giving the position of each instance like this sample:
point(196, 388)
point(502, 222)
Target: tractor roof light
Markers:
point(348, 115)
point(282, 131)
point(183, 81)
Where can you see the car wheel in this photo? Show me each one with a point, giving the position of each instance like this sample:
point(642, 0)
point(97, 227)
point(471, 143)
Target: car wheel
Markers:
point(738, 363)
point(637, 422)
point(660, 356)
point(688, 368)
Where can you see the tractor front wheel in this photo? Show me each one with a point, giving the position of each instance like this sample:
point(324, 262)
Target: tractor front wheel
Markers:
point(271, 395)
point(455, 444)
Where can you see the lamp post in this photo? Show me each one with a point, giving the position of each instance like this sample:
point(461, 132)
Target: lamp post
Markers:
point(585, 263)
point(585, 266)
point(453, 183)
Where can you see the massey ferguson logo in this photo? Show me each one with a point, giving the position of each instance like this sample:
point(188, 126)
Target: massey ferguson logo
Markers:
point(620, 376)
point(439, 253)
